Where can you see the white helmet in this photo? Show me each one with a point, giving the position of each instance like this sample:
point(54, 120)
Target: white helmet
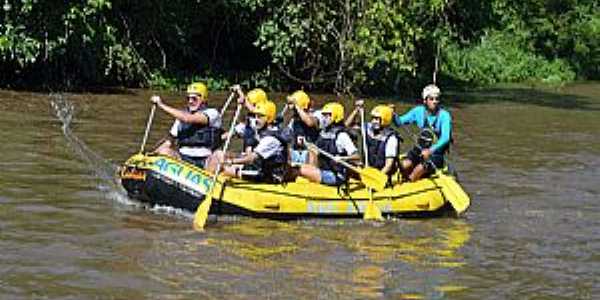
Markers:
point(431, 91)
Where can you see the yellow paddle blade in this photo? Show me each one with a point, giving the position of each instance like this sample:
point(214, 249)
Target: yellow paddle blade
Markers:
point(372, 212)
point(373, 178)
point(454, 193)
point(202, 213)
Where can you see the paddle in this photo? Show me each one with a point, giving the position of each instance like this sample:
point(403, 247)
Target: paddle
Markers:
point(148, 125)
point(452, 191)
point(372, 212)
point(202, 211)
point(369, 176)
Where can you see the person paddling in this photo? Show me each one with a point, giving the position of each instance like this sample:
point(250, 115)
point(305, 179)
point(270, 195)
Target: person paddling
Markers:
point(383, 143)
point(268, 160)
point(433, 142)
point(196, 131)
point(303, 126)
point(334, 139)
point(243, 129)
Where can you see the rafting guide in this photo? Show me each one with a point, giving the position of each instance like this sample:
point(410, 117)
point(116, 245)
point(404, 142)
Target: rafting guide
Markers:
point(433, 142)
point(196, 131)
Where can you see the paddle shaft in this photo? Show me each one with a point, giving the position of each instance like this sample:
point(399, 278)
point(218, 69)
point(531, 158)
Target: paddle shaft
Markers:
point(226, 146)
point(226, 105)
point(204, 207)
point(332, 157)
point(148, 125)
point(372, 212)
point(363, 132)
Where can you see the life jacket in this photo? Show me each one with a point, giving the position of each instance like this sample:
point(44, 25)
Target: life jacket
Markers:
point(273, 168)
point(376, 147)
point(326, 141)
point(196, 135)
point(299, 128)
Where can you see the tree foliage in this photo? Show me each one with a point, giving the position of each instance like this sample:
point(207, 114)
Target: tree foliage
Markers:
point(371, 46)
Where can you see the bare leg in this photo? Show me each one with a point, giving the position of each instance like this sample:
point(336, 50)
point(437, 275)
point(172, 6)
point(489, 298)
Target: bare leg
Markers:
point(214, 159)
point(417, 173)
point(231, 171)
point(311, 173)
point(406, 168)
point(166, 148)
point(313, 158)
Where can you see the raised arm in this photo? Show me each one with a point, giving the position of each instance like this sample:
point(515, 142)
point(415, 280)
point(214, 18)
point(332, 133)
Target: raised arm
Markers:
point(350, 119)
point(180, 115)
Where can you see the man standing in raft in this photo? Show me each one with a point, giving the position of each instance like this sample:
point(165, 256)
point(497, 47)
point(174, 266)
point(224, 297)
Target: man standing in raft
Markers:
point(196, 131)
point(433, 142)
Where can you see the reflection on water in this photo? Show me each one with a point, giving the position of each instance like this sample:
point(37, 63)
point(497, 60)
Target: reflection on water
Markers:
point(68, 231)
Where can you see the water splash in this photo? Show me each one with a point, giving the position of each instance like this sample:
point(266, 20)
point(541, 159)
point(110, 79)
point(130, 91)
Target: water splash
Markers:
point(103, 170)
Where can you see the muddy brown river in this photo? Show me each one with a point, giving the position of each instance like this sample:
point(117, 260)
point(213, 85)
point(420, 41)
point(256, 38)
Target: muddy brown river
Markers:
point(529, 158)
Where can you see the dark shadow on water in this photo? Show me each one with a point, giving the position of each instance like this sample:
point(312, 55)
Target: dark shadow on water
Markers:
point(531, 96)
point(99, 90)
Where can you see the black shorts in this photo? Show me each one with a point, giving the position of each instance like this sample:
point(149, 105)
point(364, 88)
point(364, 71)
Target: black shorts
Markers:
point(197, 161)
point(436, 161)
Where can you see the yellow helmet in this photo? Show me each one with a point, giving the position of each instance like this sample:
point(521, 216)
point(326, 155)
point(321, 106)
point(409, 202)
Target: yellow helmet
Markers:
point(301, 98)
point(267, 109)
point(257, 96)
point(198, 88)
point(383, 112)
point(336, 110)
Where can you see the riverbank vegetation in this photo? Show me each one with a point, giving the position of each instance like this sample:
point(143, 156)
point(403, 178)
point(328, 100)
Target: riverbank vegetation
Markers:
point(367, 46)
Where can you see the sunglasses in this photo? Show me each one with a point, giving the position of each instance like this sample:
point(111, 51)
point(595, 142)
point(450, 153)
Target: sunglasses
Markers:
point(193, 98)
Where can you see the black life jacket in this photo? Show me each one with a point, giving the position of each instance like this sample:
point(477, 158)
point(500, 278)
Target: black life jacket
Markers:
point(299, 128)
point(273, 168)
point(376, 147)
point(196, 135)
point(326, 142)
point(249, 137)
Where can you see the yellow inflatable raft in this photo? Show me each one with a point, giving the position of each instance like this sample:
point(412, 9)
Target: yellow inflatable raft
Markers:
point(160, 180)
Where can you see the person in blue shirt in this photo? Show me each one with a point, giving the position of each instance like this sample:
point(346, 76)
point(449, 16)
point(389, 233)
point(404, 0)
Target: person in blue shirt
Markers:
point(433, 141)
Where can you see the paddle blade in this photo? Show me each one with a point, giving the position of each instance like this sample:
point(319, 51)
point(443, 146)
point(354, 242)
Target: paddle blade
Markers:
point(373, 178)
point(202, 213)
point(372, 212)
point(454, 193)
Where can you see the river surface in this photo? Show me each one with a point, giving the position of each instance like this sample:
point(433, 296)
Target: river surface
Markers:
point(529, 158)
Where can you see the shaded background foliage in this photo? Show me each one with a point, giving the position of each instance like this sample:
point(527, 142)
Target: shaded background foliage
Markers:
point(367, 46)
